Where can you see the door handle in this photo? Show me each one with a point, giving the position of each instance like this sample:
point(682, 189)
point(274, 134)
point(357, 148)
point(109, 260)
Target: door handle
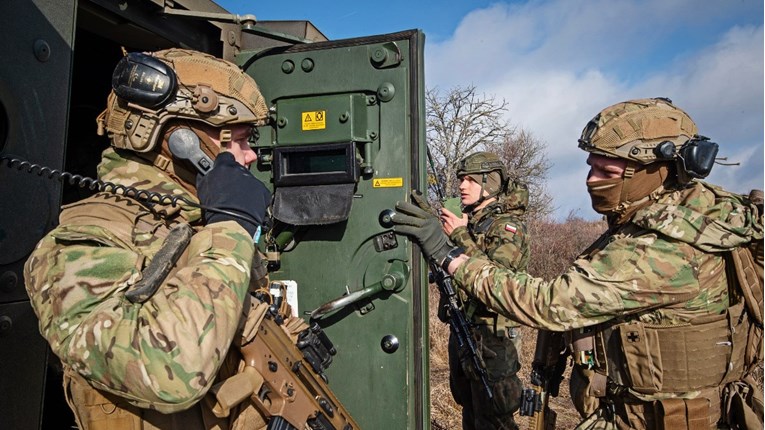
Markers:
point(393, 281)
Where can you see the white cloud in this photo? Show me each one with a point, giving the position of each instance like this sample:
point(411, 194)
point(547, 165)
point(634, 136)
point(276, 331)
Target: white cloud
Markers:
point(559, 62)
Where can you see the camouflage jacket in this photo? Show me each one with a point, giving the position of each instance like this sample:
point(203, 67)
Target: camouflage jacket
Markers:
point(645, 269)
point(166, 352)
point(497, 236)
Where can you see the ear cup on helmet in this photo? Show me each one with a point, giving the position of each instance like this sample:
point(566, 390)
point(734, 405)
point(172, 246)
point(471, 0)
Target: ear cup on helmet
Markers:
point(144, 80)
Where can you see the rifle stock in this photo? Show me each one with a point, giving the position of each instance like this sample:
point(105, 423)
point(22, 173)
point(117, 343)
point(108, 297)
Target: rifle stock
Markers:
point(282, 385)
point(459, 325)
point(546, 375)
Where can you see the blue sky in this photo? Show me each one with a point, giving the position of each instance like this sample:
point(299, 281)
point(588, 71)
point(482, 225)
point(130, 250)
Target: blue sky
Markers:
point(559, 62)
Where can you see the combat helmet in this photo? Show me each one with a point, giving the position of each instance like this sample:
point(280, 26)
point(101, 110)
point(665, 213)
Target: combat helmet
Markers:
point(151, 89)
point(479, 165)
point(633, 130)
point(662, 149)
point(644, 131)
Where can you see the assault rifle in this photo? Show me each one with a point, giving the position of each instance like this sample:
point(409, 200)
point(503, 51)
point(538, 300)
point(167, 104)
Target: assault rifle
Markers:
point(458, 324)
point(284, 380)
point(546, 375)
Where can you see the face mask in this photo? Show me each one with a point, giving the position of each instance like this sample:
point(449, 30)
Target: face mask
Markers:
point(605, 194)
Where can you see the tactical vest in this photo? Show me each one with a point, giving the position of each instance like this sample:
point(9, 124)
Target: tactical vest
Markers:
point(685, 369)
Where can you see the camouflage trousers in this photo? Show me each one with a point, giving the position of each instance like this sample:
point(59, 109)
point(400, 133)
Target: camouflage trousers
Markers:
point(500, 353)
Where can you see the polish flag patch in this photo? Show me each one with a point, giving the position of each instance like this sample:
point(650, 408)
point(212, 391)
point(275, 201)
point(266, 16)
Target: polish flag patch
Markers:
point(511, 228)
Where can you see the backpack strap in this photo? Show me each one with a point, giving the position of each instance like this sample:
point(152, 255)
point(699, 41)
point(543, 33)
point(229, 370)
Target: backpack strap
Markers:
point(749, 276)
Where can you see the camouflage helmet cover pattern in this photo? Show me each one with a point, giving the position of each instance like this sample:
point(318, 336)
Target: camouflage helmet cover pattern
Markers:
point(632, 129)
point(481, 162)
point(209, 90)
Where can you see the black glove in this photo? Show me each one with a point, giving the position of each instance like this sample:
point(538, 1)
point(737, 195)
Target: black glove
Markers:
point(230, 187)
point(423, 227)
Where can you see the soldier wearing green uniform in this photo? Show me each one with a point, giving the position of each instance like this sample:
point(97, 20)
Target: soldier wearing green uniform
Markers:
point(145, 364)
point(494, 229)
point(664, 312)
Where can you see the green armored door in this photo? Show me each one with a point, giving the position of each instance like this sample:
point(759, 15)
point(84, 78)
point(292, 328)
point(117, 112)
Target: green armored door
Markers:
point(346, 142)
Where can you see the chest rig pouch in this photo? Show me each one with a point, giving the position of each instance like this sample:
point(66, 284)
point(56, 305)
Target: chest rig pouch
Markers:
point(705, 353)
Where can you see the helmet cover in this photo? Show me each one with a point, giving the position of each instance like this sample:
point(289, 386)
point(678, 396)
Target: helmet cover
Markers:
point(480, 163)
point(633, 130)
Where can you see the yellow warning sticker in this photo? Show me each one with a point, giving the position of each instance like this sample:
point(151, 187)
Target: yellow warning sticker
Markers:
point(388, 182)
point(316, 120)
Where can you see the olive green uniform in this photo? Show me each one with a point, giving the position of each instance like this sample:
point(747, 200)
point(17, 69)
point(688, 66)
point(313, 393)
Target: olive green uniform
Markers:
point(499, 235)
point(657, 337)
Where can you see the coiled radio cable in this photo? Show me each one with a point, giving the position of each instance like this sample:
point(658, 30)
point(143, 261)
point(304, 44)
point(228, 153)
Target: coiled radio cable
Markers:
point(99, 185)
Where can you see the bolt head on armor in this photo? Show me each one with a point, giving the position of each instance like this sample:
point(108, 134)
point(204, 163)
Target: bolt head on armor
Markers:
point(633, 130)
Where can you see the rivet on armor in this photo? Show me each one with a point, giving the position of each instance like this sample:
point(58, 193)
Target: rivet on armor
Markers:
point(42, 50)
point(8, 281)
point(389, 344)
point(386, 92)
point(6, 323)
point(307, 65)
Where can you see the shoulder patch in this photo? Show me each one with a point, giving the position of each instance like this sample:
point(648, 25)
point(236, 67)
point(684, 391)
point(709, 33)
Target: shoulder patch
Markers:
point(511, 228)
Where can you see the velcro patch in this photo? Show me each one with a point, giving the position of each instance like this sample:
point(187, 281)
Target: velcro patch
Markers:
point(511, 228)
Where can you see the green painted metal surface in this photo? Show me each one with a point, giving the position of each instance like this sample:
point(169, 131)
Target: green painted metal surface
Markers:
point(368, 92)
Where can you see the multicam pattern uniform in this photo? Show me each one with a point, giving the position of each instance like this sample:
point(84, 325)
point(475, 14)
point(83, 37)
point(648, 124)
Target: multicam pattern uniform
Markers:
point(664, 267)
point(166, 352)
point(504, 242)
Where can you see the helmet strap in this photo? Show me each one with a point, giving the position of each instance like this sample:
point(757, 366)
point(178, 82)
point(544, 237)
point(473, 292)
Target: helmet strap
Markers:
point(641, 186)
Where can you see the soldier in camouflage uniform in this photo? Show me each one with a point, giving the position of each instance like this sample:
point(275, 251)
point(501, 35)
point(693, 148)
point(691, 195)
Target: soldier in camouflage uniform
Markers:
point(660, 322)
point(143, 365)
point(493, 229)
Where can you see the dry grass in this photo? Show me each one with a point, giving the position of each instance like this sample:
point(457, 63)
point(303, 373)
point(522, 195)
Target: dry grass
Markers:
point(554, 247)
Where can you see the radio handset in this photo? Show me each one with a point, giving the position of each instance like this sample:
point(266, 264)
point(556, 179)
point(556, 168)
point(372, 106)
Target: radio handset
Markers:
point(184, 144)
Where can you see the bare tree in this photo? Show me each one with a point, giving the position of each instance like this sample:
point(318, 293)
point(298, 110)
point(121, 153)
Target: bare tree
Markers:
point(461, 121)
